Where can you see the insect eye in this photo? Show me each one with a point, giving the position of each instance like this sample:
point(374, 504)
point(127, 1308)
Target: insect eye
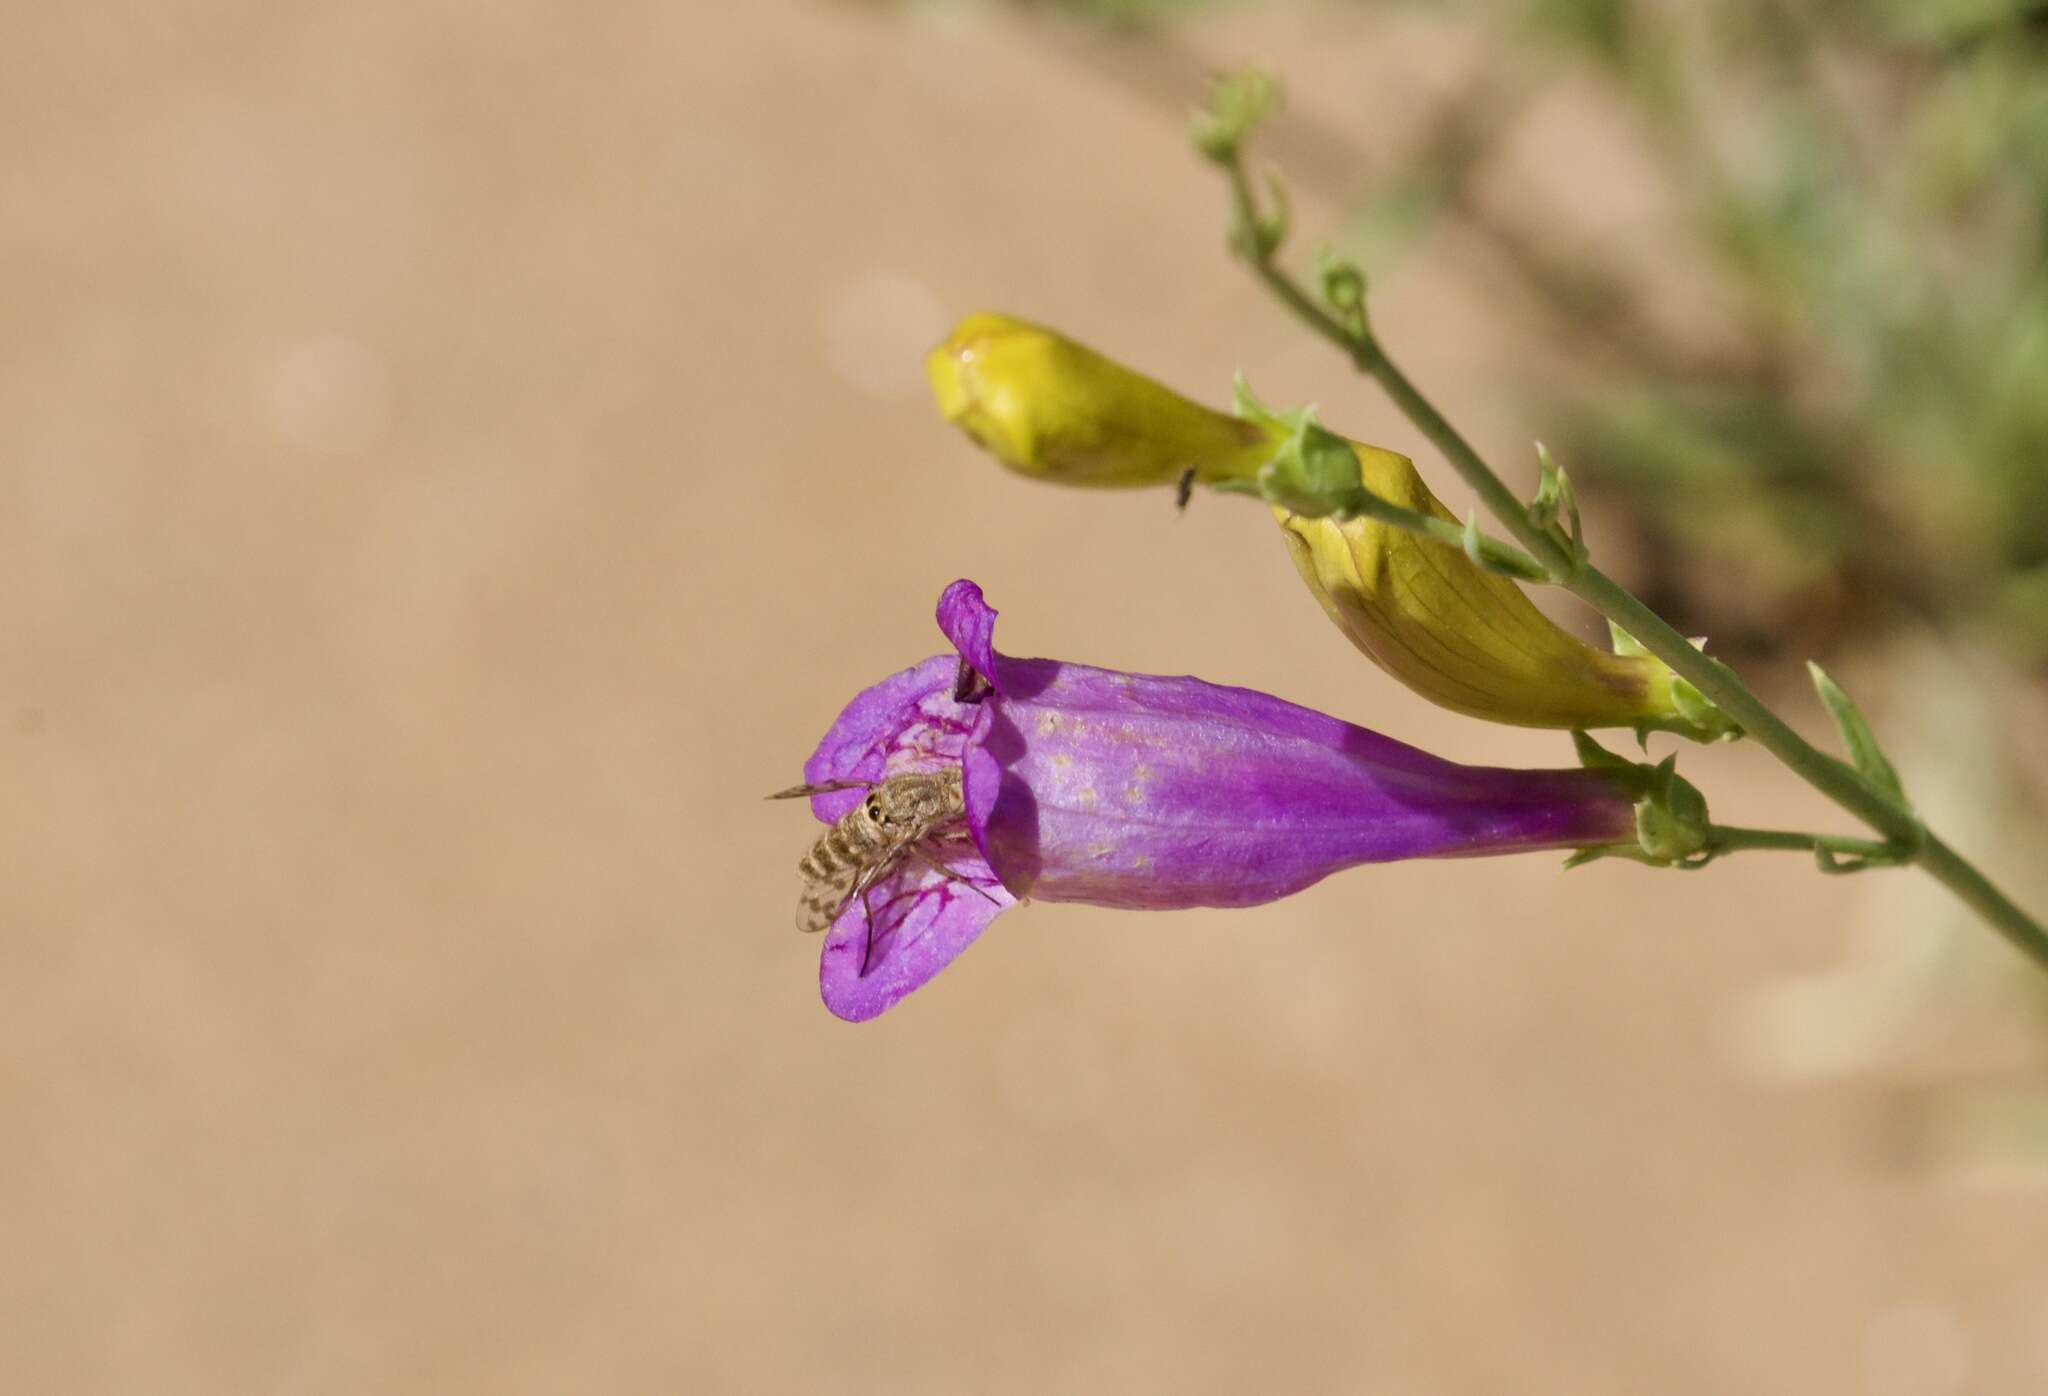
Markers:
point(875, 811)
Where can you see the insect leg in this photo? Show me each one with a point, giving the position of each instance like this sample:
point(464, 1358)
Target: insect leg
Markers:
point(943, 871)
point(867, 950)
point(869, 876)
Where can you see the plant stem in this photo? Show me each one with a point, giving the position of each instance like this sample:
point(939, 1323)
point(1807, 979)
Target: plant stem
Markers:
point(1489, 553)
point(1834, 778)
point(1731, 838)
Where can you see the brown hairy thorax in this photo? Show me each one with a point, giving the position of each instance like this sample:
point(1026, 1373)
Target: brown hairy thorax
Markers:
point(871, 839)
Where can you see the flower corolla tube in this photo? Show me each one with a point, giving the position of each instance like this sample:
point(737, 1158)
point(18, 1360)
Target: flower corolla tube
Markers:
point(1144, 792)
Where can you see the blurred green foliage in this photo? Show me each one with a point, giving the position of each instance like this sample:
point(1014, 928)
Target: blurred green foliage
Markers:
point(1851, 413)
point(1822, 366)
point(1115, 16)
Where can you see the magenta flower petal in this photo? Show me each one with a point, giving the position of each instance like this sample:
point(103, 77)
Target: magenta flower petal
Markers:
point(970, 623)
point(1149, 792)
point(921, 921)
point(907, 722)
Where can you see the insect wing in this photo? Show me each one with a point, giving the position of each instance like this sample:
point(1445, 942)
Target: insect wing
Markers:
point(801, 792)
point(824, 899)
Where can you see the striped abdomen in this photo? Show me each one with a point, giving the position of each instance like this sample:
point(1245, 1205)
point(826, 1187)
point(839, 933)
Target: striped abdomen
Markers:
point(844, 849)
point(866, 841)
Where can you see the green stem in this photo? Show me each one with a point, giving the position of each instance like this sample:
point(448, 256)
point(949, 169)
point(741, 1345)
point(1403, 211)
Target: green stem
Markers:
point(1902, 829)
point(1490, 553)
point(1731, 838)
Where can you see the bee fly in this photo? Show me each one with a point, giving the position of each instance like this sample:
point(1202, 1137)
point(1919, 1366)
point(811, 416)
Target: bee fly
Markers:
point(872, 839)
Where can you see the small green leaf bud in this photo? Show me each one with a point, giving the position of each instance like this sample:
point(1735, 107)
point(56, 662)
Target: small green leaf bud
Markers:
point(1237, 104)
point(1869, 758)
point(1343, 286)
point(1555, 509)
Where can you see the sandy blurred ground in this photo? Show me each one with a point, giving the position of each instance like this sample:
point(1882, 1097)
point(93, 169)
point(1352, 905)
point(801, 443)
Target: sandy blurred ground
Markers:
point(456, 459)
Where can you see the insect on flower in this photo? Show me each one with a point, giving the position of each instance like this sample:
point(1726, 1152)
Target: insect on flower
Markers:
point(897, 819)
point(1011, 778)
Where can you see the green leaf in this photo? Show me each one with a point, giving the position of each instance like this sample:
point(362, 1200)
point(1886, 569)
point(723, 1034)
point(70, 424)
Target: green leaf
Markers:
point(1864, 752)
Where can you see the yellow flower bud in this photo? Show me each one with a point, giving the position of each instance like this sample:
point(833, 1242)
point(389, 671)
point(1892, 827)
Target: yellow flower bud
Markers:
point(1459, 635)
point(1056, 410)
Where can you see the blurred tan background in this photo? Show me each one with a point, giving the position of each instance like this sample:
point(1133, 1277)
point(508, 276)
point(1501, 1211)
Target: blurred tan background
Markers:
point(457, 459)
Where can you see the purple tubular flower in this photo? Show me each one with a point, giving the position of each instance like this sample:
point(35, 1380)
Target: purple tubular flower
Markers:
point(1139, 791)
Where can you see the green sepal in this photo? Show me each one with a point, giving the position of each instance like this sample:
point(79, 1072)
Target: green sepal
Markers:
point(1315, 473)
point(1864, 752)
point(1698, 718)
point(1625, 643)
point(1671, 816)
point(1708, 721)
point(1595, 757)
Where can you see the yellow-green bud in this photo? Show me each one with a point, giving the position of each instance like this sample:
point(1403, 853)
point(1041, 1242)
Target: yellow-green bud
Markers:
point(1458, 634)
point(1048, 407)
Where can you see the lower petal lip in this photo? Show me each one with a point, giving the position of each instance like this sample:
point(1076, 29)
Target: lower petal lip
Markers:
point(923, 923)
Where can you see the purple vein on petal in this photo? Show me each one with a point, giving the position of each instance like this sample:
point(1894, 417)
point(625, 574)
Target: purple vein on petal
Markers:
point(922, 921)
point(907, 722)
